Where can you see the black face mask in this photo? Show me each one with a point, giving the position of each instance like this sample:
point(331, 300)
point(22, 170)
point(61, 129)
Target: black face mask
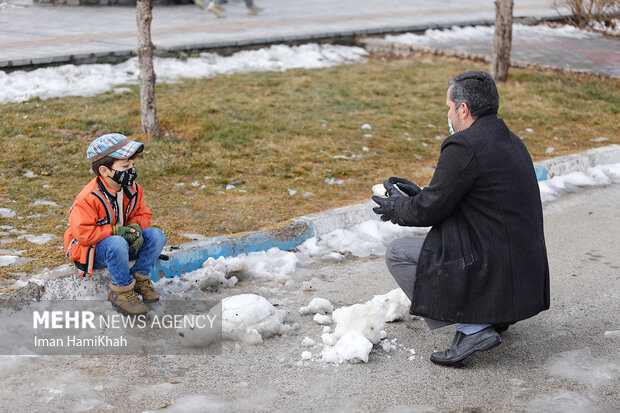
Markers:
point(126, 177)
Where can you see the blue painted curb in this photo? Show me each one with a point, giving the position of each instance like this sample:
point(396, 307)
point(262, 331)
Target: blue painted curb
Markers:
point(189, 257)
point(541, 172)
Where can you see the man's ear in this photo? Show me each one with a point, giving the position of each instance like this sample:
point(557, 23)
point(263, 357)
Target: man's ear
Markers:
point(465, 110)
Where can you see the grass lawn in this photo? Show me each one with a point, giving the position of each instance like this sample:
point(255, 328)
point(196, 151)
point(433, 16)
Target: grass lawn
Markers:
point(276, 132)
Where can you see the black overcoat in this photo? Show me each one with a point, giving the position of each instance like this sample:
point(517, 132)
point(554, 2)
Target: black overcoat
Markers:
point(484, 260)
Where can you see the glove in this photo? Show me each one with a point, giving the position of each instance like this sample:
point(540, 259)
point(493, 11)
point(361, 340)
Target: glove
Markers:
point(404, 185)
point(386, 208)
point(128, 233)
point(135, 246)
point(136, 226)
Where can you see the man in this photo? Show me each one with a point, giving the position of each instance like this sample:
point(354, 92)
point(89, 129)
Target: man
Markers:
point(484, 262)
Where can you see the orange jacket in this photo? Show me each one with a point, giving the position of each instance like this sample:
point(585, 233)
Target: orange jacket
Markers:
point(92, 216)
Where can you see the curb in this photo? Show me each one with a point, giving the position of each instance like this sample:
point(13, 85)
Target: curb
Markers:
point(579, 162)
point(62, 283)
point(347, 37)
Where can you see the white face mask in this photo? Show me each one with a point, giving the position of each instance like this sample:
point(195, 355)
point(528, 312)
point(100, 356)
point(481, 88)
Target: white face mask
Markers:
point(452, 132)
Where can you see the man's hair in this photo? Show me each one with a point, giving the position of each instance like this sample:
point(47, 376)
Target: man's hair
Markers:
point(107, 161)
point(477, 90)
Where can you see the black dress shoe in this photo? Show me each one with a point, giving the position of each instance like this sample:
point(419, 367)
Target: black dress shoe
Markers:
point(464, 346)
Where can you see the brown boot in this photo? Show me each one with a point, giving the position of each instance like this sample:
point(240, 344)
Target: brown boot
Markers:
point(145, 288)
point(126, 300)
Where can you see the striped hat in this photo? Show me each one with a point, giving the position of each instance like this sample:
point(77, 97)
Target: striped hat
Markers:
point(114, 145)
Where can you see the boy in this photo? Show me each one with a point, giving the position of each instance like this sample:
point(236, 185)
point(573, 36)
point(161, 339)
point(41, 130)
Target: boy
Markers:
point(109, 224)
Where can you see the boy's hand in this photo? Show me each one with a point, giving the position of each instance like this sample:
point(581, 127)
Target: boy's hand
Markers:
point(135, 246)
point(136, 226)
point(128, 233)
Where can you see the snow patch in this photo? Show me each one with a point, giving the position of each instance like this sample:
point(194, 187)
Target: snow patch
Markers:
point(596, 176)
point(580, 366)
point(6, 213)
point(92, 79)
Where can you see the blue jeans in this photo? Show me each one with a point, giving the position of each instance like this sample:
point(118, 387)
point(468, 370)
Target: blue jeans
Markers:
point(113, 252)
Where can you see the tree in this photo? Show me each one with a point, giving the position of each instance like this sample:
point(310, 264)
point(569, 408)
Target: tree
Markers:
point(144, 16)
point(502, 40)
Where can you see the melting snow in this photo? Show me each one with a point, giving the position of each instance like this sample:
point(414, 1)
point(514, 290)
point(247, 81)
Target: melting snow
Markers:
point(89, 80)
point(596, 176)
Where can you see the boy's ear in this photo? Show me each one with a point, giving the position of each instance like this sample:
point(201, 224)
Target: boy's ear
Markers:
point(102, 170)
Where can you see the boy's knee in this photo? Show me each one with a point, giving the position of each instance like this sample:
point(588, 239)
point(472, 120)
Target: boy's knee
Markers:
point(117, 244)
point(154, 235)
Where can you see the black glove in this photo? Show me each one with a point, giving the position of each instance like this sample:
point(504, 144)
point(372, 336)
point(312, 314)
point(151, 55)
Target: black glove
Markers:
point(404, 185)
point(386, 208)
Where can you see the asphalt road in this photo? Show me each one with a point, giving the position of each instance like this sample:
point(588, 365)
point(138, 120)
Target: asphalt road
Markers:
point(558, 361)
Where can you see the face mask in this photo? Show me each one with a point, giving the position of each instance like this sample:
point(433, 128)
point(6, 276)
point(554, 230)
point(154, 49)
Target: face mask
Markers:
point(452, 132)
point(126, 177)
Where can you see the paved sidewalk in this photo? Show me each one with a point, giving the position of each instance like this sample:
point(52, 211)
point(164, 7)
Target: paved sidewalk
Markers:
point(37, 34)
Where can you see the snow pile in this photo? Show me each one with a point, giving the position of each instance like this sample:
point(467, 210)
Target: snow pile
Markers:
point(89, 80)
point(596, 176)
point(475, 33)
point(251, 318)
point(360, 326)
point(247, 318)
point(362, 240)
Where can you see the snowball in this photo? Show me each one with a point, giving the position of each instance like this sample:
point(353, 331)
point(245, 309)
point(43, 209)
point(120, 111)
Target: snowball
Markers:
point(251, 318)
point(306, 355)
point(366, 126)
point(378, 190)
point(317, 305)
point(322, 319)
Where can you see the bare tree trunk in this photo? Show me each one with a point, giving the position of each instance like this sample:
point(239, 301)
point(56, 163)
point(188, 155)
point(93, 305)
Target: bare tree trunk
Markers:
point(502, 40)
point(144, 15)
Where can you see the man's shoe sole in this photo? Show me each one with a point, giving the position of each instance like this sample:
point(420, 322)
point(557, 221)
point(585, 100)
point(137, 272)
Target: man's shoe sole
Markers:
point(485, 345)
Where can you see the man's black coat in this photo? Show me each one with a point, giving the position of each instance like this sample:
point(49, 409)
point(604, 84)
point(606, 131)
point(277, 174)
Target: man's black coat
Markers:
point(484, 260)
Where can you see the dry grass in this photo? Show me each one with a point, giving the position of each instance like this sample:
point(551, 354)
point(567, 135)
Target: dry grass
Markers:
point(275, 131)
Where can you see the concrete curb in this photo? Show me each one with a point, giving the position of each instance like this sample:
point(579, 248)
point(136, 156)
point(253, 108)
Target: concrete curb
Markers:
point(63, 282)
point(579, 162)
